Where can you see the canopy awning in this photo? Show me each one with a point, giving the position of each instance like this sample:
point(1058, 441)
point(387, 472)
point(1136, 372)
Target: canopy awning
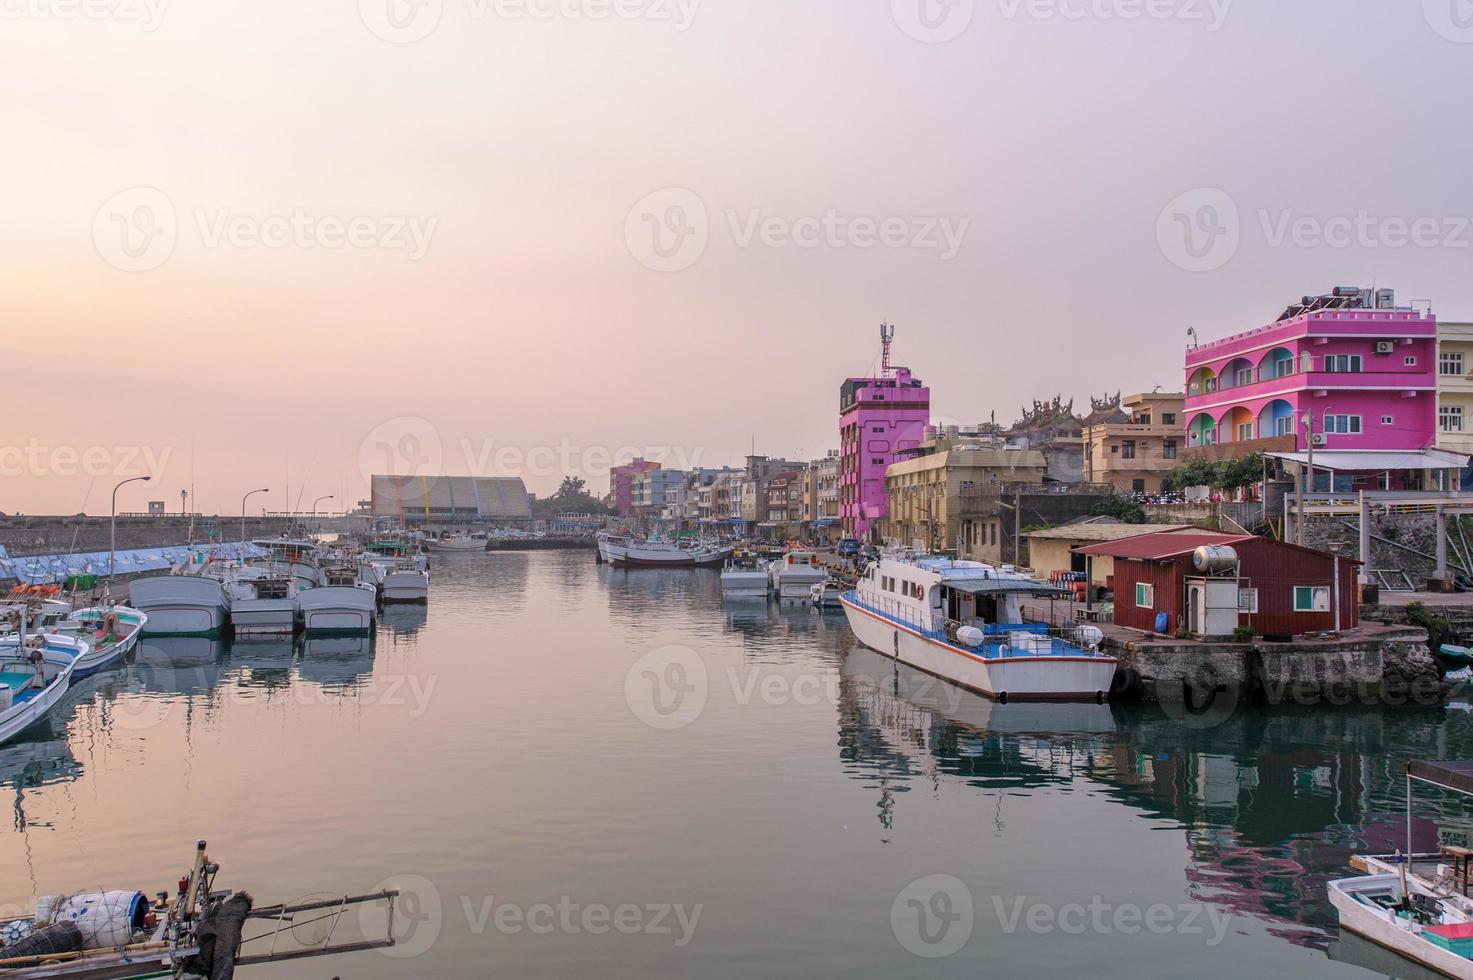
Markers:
point(1342, 460)
point(1005, 586)
point(1453, 774)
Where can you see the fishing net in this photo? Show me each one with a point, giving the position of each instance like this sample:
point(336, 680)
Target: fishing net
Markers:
point(64, 937)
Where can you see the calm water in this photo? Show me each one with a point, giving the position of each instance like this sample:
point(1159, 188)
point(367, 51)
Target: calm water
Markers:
point(577, 770)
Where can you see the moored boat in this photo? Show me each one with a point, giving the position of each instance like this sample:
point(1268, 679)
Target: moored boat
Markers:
point(344, 605)
point(962, 621)
point(35, 674)
point(744, 577)
point(452, 543)
point(826, 595)
point(794, 575)
point(181, 604)
point(111, 632)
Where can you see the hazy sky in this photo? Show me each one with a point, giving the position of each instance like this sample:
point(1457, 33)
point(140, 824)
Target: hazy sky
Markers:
point(270, 241)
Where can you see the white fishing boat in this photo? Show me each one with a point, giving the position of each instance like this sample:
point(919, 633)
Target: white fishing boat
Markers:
point(1416, 905)
point(453, 543)
point(111, 632)
point(609, 544)
point(345, 604)
point(293, 558)
point(661, 553)
point(826, 595)
point(962, 621)
point(793, 576)
point(744, 577)
point(182, 604)
point(401, 572)
point(263, 601)
point(35, 673)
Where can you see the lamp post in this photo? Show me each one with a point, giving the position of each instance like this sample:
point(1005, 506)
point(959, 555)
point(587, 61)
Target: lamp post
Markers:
point(243, 500)
point(112, 550)
point(314, 506)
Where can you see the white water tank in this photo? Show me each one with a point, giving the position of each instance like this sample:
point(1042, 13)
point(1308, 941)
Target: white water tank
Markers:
point(1215, 559)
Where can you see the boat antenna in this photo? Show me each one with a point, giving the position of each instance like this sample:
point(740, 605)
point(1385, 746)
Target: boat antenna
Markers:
point(887, 337)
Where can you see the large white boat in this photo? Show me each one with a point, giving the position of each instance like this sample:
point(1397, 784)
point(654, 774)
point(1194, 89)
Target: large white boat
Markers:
point(181, 604)
point(793, 576)
point(35, 673)
point(962, 621)
point(659, 553)
point(1416, 904)
point(609, 543)
point(462, 542)
point(744, 577)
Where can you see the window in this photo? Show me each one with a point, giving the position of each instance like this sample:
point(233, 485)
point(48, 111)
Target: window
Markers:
point(1342, 424)
point(1244, 376)
point(1450, 362)
point(1311, 598)
point(1284, 425)
point(1145, 595)
point(1387, 420)
point(1450, 418)
point(1283, 367)
point(1245, 431)
point(1138, 486)
point(1409, 361)
point(1248, 600)
point(878, 430)
point(1168, 418)
point(1342, 363)
point(878, 462)
point(1168, 449)
point(1127, 449)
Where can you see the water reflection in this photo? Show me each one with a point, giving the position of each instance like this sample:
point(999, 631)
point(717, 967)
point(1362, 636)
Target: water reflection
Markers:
point(1273, 803)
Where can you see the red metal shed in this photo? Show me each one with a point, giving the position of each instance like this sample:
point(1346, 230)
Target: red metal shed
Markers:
point(1285, 590)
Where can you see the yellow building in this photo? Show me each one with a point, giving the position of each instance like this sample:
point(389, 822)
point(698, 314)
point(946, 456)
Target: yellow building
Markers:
point(1135, 452)
point(1052, 550)
point(1455, 387)
point(925, 491)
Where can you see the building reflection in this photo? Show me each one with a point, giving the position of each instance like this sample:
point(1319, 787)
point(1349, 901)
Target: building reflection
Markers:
point(1272, 803)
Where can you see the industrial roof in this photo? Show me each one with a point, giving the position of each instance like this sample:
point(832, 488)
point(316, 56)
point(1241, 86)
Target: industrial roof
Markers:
point(1157, 547)
point(493, 498)
point(1103, 531)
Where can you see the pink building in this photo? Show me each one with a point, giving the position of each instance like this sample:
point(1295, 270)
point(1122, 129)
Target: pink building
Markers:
point(1363, 370)
point(621, 484)
point(878, 418)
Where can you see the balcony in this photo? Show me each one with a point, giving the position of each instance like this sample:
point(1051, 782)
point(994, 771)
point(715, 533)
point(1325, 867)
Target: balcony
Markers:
point(1301, 381)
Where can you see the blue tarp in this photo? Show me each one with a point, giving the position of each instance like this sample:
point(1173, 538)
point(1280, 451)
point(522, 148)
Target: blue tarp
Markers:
point(49, 569)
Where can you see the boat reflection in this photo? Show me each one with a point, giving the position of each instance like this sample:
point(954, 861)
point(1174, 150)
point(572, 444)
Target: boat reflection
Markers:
point(336, 662)
point(403, 622)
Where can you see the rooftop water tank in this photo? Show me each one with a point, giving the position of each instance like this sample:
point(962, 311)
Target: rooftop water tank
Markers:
point(1215, 559)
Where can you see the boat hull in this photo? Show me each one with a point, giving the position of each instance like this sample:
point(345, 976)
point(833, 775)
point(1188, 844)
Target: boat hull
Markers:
point(338, 609)
point(461, 547)
point(62, 654)
point(744, 585)
point(406, 587)
point(264, 617)
point(1366, 921)
point(181, 605)
point(1021, 678)
point(100, 657)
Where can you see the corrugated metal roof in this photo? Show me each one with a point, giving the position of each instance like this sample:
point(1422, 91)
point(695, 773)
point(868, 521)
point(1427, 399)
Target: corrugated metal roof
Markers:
point(1155, 547)
point(492, 498)
point(1104, 531)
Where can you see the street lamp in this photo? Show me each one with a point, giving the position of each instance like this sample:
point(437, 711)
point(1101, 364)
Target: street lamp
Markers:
point(243, 500)
point(314, 506)
point(112, 551)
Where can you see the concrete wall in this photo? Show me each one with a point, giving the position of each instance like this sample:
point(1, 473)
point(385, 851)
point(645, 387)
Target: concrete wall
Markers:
point(59, 535)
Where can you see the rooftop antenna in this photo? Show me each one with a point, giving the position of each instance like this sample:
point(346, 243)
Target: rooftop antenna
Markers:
point(887, 337)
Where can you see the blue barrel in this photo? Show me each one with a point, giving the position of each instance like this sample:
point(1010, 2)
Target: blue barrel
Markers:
point(1162, 621)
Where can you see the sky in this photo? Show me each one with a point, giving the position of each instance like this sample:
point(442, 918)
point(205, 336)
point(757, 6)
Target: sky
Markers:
point(284, 245)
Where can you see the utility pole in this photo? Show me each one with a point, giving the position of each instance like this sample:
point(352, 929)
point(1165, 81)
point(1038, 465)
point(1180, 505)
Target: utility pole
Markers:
point(1306, 479)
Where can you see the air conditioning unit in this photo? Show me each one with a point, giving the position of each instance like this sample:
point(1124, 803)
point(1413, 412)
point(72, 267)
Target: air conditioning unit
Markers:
point(1318, 440)
point(1385, 346)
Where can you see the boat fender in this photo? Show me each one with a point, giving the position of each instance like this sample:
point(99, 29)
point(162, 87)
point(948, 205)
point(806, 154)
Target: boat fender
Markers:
point(971, 636)
point(1126, 685)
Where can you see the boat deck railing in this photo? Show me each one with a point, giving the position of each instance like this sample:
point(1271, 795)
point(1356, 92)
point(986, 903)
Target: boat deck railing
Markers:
point(1048, 641)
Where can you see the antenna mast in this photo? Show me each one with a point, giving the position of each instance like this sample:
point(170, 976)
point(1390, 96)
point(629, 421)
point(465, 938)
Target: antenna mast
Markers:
point(887, 336)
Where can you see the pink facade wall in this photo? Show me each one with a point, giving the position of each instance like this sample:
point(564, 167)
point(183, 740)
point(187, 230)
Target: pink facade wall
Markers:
point(1385, 387)
point(621, 484)
point(888, 415)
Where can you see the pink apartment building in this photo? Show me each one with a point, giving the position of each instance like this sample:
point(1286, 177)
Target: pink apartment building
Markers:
point(878, 418)
point(621, 484)
point(1360, 369)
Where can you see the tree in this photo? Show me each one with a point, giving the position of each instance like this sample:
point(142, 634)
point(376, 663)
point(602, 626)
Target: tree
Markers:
point(572, 486)
point(1226, 474)
point(1123, 510)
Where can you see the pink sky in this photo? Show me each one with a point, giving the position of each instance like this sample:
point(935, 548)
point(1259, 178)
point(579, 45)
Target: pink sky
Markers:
point(527, 316)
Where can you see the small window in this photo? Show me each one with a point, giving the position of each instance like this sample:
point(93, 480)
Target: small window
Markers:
point(878, 430)
point(1311, 598)
point(1450, 418)
point(1145, 595)
point(1342, 424)
point(1138, 486)
point(1410, 361)
point(1388, 420)
point(1168, 418)
point(1127, 449)
point(1168, 449)
point(1245, 431)
point(1248, 600)
point(1450, 363)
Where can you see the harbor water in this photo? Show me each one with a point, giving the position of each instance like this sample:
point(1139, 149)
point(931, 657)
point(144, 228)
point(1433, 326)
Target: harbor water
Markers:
point(575, 770)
